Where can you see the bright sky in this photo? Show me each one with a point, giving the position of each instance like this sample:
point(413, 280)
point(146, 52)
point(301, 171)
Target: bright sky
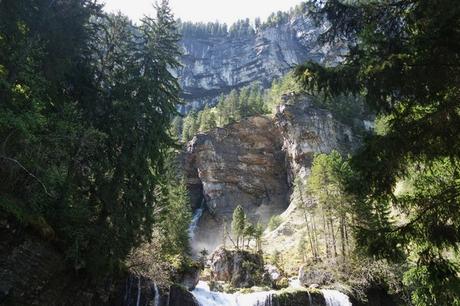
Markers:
point(227, 11)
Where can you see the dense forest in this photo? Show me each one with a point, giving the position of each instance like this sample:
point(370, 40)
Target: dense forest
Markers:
point(240, 28)
point(255, 100)
point(87, 157)
point(91, 144)
point(403, 59)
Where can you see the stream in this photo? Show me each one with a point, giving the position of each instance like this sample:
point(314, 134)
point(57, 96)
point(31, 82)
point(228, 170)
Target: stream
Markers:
point(206, 297)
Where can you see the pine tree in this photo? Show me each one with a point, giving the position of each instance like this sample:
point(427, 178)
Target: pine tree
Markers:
point(238, 224)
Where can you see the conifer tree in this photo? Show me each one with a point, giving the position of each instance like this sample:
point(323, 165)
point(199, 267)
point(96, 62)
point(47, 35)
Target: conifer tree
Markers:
point(238, 224)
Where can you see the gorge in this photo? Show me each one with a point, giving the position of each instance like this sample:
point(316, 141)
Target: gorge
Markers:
point(311, 158)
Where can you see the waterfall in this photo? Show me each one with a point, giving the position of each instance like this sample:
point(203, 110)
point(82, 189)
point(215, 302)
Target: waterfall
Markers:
point(335, 298)
point(310, 301)
point(206, 297)
point(156, 298)
point(195, 219)
point(138, 291)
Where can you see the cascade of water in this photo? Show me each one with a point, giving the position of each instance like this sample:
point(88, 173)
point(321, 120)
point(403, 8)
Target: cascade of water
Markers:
point(335, 298)
point(206, 297)
point(310, 301)
point(138, 291)
point(195, 219)
point(129, 282)
point(156, 298)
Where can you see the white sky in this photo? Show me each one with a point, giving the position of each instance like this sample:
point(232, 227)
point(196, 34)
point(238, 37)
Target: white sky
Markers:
point(227, 11)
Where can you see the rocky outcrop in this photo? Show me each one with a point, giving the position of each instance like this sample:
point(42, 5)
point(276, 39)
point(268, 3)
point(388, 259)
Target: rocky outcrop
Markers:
point(307, 130)
point(241, 164)
point(253, 163)
point(179, 296)
point(240, 268)
point(217, 63)
point(313, 276)
point(190, 278)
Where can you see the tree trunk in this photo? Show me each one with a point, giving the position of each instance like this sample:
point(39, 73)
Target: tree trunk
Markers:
point(334, 243)
point(326, 238)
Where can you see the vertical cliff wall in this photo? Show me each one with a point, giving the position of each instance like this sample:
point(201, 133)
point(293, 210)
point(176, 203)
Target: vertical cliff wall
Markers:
point(214, 64)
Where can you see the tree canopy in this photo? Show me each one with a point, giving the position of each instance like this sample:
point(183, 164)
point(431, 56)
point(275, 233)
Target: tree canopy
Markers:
point(86, 102)
point(403, 59)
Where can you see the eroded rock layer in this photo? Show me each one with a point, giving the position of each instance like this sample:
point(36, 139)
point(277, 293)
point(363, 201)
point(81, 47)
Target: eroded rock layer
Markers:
point(217, 63)
point(241, 164)
point(253, 163)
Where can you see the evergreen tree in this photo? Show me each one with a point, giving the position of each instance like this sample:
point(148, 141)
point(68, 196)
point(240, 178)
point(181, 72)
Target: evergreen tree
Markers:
point(87, 102)
point(258, 233)
point(238, 224)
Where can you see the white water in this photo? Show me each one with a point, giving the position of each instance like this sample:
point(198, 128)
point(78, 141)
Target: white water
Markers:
point(156, 298)
point(206, 297)
point(138, 291)
point(195, 219)
point(335, 298)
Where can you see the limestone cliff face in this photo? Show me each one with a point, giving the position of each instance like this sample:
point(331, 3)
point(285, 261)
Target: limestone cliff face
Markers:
point(216, 64)
point(241, 164)
point(307, 130)
point(254, 162)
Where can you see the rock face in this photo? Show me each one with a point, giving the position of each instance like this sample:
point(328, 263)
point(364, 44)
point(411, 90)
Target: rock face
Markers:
point(307, 130)
point(242, 164)
point(240, 268)
point(253, 163)
point(217, 63)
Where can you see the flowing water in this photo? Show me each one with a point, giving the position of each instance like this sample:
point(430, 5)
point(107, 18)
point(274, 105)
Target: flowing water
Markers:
point(156, 298)
point(195, 219)
point(335, 298)
point(206, 297)
point(138, 291)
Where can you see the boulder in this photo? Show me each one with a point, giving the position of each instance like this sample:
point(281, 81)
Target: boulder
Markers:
point(309, 276)
point(240, 268)
point(179, 296)
point(189, 278)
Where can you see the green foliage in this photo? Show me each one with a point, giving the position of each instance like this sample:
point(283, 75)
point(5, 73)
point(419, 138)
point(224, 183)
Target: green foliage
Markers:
point(87, 100)
point(402, 61)
point(274, 222)
point(238, 104)
point(254, 100)
point(238, 224)
point(176, 216)
point(285, 85)
point(282, 283)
